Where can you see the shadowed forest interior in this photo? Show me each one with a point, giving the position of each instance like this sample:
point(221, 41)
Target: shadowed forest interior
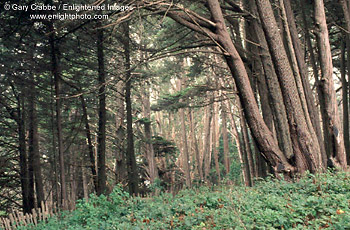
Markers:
point(161, 97)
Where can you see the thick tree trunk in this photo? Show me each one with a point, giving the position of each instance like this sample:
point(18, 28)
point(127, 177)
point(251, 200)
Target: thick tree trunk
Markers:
point(34, 154)
point(101, 135)
point(263, 136)
point(274, 91)
point(310, 100)
point(315, 74)
point(130, 151)
point(57, 82)
point(305, 143)
point(333, 134)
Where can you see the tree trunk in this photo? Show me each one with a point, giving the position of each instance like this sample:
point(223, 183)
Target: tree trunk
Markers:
point(333, 134)
point(34, 154)
point(89, 143)
point(120, 133)
point(152, 167)
point(185, 152)
point(263, 136)
point(225, 138)
point(305, 143)
point(345, 84)
point(274, 92)
point(130, 151)
point(215, 141)
point(24, 176)
point(315, 73)
point(57, 82)
point(239, 145)
point(101, 135)
point(206, 142)
point(310, 100)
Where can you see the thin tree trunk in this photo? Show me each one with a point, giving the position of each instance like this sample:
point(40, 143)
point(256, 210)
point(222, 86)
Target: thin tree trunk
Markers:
point(57, 82)
point(195, 143)
point(120, 133)
point(101, 136)
point(215, 140)
point(206, 142)
point(34, 155)
point(333, 134)
point(239, 145)
point(152, 167)
point(89, 143)
point(247, 153)
point(24, 176)
point(185, 152)
point(130, 151)
point(345, 84)
point(225, 138)
point(345, 95)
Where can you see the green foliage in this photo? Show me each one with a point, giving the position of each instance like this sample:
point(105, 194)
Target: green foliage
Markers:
point(314, 202)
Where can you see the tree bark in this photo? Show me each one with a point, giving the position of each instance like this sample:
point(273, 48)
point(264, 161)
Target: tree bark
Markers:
point(57, 82)
point(152, 167)
point(274, 91)
point(22, 149)
point(333, 134)
point(89, 143)
point(263, 136)
point(130, 151)
point(310, 100)
point(206, 140)
point(120, 133)
point(305, 143)
point(225, 138)
point(101, 135)
point(346, 83)
point(215, 141)
point(34, 154)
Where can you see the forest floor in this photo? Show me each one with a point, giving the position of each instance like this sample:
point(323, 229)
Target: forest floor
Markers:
point(314, 202)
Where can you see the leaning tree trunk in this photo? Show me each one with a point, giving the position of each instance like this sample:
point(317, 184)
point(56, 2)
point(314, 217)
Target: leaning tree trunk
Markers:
point(333, 133)
point(266, 142)
point(90, 146)
point(310, 100)
point(305, 143)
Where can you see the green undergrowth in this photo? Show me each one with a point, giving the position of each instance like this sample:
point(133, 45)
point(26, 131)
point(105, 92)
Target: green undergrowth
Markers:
point(314, 202)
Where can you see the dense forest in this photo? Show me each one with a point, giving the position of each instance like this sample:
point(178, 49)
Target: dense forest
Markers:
point(160, 96)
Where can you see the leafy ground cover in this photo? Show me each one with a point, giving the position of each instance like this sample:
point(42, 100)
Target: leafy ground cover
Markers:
point(314, 202)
